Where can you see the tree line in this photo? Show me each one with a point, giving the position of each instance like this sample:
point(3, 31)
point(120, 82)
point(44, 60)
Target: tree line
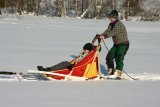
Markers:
point(147, 9)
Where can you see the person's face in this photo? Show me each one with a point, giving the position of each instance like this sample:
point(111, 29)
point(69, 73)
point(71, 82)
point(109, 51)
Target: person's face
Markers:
point(85, 51)
point(111, 19)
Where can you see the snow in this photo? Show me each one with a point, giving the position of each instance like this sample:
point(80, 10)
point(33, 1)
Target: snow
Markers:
point(28, 41)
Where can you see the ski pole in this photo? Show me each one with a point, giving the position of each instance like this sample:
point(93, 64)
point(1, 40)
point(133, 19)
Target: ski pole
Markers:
point(105, 45)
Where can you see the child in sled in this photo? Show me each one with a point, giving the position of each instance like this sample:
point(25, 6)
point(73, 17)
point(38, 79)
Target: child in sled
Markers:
point(87, 48)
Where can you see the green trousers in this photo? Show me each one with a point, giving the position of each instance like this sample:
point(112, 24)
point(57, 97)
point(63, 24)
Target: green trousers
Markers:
point(117, 54)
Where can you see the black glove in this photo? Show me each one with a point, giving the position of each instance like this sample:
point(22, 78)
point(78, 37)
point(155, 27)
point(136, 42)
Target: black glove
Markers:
point(95, 38)
point(70, 67)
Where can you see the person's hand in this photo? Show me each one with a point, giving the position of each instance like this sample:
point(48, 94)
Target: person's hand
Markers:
point(101, 37)
point(70, 67)
point(97, 35)
point(95, 38)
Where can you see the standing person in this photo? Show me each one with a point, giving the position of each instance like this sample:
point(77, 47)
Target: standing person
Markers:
point(117, 31)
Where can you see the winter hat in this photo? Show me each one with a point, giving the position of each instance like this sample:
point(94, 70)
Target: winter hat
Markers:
point(114, 14)
point(88, 46)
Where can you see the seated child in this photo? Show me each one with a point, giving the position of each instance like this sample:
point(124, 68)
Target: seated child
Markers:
point(88, 47)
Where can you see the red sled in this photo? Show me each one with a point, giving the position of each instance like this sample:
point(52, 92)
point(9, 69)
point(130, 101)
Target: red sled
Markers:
point(88, 68)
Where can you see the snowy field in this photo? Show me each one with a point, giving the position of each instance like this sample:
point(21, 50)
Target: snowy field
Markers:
point(26, 42)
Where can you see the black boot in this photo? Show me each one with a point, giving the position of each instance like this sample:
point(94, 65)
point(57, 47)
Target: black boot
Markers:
point(47, 69)
point(70, 67)
point(40, 68)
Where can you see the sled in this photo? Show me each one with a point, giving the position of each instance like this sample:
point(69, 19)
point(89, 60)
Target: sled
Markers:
point(88, 68)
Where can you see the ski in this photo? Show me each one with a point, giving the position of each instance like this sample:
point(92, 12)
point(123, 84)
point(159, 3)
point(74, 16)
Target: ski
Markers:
point(7, 73)
point(124, 77)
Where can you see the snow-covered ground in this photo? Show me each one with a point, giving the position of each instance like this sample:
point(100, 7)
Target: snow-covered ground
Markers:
point(26, 42)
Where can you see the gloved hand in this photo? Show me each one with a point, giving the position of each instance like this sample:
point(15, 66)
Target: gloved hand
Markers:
point(95, 38)
point(70, 67)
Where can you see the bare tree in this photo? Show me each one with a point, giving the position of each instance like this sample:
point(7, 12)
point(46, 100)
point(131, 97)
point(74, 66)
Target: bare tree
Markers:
point(63, 14)
point(76, 7)
point(151, 10)
point(2, 5)
point(61, 7)
point(152, 6)
point(98, 8)
point(90, 9)
point(83, 8)
point(37, 6)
